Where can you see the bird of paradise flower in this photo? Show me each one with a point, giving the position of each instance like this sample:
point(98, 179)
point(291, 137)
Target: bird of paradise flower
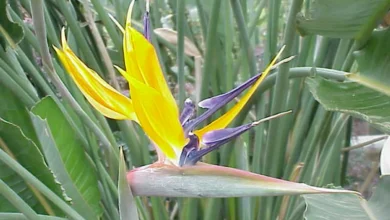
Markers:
point(176, 135)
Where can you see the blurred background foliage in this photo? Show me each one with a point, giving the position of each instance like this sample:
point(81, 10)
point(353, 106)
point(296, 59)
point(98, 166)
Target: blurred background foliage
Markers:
point(340, 73)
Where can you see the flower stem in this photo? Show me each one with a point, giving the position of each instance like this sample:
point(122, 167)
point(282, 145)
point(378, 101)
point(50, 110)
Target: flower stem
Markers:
point(180, 49)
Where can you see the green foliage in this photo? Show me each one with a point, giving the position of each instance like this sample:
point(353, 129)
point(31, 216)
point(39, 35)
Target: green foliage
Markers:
point(328, 206)
point(352, 98)
point(65, 156)
point(127, 205)
point(27, 154)
point(342, 19)
point(54, 144)
point(377, 46)
point(10, 32)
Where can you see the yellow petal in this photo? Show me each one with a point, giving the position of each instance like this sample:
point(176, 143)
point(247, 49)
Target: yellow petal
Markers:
point(108, 112)
point(228, 117)
point(159, 122)
point(142, 63)
point(100, 94)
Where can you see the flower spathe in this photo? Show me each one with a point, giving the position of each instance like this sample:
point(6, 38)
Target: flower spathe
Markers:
point(153, 106)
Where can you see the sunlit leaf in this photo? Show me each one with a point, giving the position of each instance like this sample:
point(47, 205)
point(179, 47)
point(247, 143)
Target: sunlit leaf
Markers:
point(341, 18)
point(354, 99)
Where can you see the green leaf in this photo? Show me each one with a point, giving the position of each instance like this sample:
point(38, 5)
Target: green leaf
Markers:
point(354, 99)
point(374, 58)
point(342, 18)
point(23, 150)
point(65, 156)
point(350, 206)
point(206, 180)
point(374, 62)
point(16, 113)
point(9, 31)
point(127, 205)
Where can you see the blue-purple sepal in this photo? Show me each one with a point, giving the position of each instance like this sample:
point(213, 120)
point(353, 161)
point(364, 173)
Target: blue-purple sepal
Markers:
point(212, 140)
point(213, 104)
point(147, 32)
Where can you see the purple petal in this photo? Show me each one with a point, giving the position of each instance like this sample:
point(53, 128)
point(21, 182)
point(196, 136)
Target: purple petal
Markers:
point(213, 104)
point(192, 146)
point(213, 140)
point(187, 112)
point(217, 137)
point(227, 97)
point(147, 26)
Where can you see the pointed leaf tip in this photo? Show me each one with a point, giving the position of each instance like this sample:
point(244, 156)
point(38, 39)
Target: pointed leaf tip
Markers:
point(127, 204)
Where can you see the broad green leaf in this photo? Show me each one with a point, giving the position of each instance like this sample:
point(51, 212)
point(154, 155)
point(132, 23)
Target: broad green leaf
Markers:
point(374, 58)
point(127, 205)
point(206, 180)
point(354, 99)
point(13, 111)
point(9, 31)
point(374, 62)
point(22, 149)
point(350, 206)
point(342, 18)
point(65, 156)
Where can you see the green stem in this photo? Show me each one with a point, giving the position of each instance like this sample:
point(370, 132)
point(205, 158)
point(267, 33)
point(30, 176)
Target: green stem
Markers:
point(34, 73)
point(100, 45)
point(108, 24)
point(20, 216)
point(202, 18)
point(350, 58)
point(296, 72)
point(180, 49)
point(322, 51)
point(341, 54)
point(243, 30)
point(344, 166)
point(272, 29)
point(275, 149)
point(75, 28)
point(29, 178)
point(23, 83)
point(8, 82)
point(119, 11)
point(51, 31)
point(18, 202)
point(213, 209)
point(210, 52)
point(327, 161)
